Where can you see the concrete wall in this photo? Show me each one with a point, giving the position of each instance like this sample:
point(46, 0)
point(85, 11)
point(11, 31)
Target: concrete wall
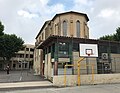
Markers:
point(49, 66)
point(71, 80)
point(48, 71)
point(37, 60)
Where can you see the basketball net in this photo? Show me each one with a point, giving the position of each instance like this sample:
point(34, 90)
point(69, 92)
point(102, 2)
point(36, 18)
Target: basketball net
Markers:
point(88, 54)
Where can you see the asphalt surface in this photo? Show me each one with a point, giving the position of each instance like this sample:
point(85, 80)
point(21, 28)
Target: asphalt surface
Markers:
point(24, 79)
point(19, 76)
point(109, 88)
point(27, 77)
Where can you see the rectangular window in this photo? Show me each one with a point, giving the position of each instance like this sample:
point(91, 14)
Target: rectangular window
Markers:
point(0, 66)
point(14, 65)
point(63, 49)
point(19, 65)
point(25, 65)
point(31, 56)
point(64, 28)
point(27, 49)
point(43, 54)
point(21, 55)
point(78, 29)
point(53, 51)
point(27, 56)
point(75, 47)
point(31, 49)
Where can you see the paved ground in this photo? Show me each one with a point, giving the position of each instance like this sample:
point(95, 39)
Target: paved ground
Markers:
point(19, 76)
point(112, 88)
point(27, 82)
point(21, 80)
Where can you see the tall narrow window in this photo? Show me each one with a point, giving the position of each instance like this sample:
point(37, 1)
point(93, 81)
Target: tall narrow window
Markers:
point(64, 28)
point(78, 28)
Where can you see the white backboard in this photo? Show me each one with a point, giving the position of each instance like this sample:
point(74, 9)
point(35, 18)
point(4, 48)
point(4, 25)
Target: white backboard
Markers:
point(88, 50)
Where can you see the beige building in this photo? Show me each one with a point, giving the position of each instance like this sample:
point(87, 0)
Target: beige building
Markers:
point(71, 24)
point(57, 45)
point(68, 24)
point(23, 58)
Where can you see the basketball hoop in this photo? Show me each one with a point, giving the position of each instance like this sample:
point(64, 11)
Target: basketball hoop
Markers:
point(89, 52)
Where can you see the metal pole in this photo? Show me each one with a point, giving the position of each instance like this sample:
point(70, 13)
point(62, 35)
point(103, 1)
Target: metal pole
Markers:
point(65, 76)
point(78, 64)
point(79, 74)
point(92, 73)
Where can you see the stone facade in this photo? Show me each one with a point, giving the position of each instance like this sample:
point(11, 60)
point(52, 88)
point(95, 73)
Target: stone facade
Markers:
point(57, 45)
point(72, 24)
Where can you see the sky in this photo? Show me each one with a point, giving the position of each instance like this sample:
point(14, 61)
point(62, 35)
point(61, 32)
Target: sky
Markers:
point(26, 17)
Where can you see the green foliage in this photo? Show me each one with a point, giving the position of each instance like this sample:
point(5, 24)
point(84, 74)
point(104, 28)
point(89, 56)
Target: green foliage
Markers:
point(1, 29)
point(9, 44)
point(117, 36)
point(107, 37)
point(113, 37)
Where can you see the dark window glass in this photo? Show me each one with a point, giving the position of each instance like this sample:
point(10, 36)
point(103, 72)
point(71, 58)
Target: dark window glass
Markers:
point(78, 28)
point(27, 49)
point(0, 66)
point(75, 47)
point(19, 65)
point(63, 49)
point(14, 65)
point(43, 54)
point(64, 28)
point(27, 56)
point(53, 51)
point(25, 65)
point(21, 55)
point(31, 49)
point(31, 56)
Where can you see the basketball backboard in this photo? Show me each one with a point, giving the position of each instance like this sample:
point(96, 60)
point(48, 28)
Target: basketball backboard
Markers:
point(88, 50)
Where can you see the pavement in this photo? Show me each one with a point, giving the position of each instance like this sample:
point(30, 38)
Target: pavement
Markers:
point(19, 76)
point(27, 82)
point(107, 88)
point(22, 79)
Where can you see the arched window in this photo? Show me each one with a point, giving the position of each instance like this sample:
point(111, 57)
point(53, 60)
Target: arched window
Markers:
point(78, 28)
point(64, 28)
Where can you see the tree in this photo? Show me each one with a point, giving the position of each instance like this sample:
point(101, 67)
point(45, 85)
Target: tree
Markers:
point(1, 29)
point(113, 37)
point(117, 36)
point(107, 37)
point(9, 44)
